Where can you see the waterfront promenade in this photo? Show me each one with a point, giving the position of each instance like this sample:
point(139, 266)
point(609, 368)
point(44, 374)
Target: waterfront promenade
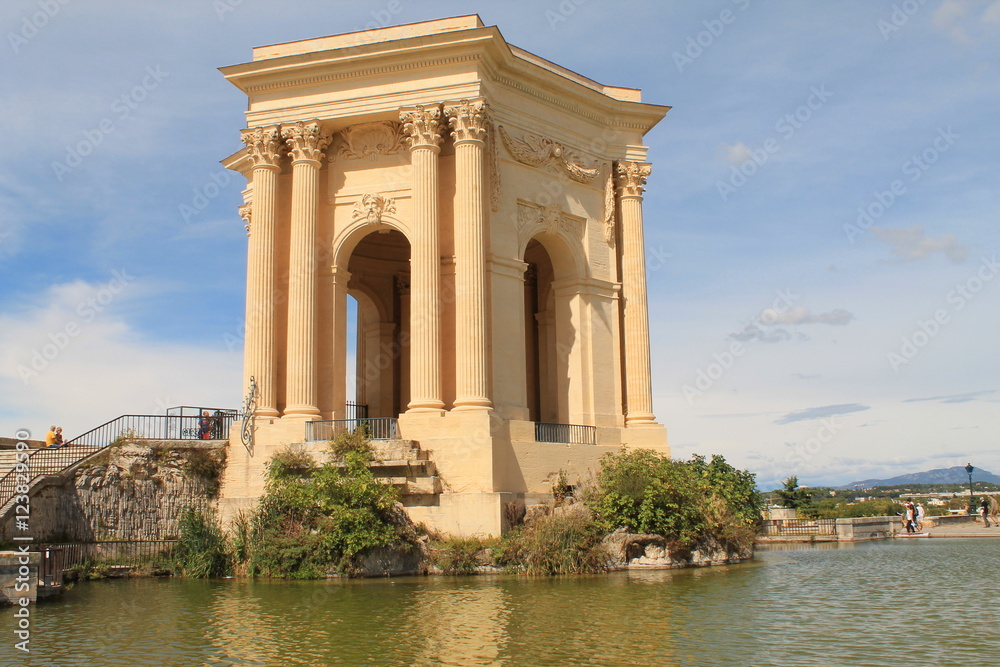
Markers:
point(963, 529)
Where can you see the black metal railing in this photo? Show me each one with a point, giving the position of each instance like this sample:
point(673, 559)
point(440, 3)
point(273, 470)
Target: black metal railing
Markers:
point(184, 422)
point(790, 527)
point(36, 463)
point(110, 553)
point(573, 434)
point(376, 428)
point(355, 411)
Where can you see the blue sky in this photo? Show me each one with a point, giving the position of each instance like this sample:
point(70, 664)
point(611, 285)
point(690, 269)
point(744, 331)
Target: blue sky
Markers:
point(821, 223)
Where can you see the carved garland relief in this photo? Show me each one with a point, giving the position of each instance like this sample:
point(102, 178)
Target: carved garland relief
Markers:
point(537, 151)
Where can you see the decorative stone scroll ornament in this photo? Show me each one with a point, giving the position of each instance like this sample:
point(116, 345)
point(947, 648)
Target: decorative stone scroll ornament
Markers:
point(609, 206)
point(537, 151)
point(306, 141)
point(467, 120)
point(265, 145)
point(631, 178)
point(422, 126)
point(371, 207)
point(368, 141)
point(246, 212)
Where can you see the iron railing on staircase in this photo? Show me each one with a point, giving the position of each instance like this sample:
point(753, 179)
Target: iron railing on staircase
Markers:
point(32, 464)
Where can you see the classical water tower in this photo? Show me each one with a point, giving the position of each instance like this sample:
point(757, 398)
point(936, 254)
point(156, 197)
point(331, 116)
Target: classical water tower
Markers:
point(483, 207)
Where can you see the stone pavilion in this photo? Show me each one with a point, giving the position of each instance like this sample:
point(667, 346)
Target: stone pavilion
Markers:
point(482, 208)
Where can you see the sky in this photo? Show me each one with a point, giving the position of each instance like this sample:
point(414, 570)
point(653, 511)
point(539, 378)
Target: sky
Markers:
point(822, 228)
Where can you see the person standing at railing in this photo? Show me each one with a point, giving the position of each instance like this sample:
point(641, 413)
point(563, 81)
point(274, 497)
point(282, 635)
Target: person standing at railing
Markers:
point(50, 437)
point(204, 426)
point(217, 419)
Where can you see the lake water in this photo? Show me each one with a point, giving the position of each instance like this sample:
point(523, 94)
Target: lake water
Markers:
point(917, 602)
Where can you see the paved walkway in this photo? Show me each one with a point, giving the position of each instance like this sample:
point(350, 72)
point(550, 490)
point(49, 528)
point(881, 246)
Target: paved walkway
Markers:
point(964, 529)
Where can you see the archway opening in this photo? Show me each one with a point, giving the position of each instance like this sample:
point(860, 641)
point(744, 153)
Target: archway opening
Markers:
point(544, 365)
point(379, 268)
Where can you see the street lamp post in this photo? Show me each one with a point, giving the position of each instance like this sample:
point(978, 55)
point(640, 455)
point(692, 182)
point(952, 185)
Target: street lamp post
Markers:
point(972, 501)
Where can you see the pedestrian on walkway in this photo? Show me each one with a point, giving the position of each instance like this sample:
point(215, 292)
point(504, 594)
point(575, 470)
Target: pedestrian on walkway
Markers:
point(995, 511)
point(920, 517)
point(984, 511)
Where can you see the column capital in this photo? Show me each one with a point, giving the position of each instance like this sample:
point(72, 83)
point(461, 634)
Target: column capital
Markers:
point(630, 177)
point(306, 141)
point(468, 120)
point(422, 125)
point(246, 212)
point(265, 145)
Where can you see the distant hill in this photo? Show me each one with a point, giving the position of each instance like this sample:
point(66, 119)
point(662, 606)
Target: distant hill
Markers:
point(955, 475)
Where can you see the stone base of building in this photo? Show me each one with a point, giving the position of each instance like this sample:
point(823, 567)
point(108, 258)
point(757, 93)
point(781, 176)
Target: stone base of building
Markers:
point(486, 468)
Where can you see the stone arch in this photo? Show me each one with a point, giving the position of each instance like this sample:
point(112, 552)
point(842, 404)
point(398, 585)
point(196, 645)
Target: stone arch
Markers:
point(551, 336)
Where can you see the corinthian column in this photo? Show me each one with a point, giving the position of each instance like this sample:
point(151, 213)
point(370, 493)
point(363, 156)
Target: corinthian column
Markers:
point(306, 142)
point(264, 144)
point(468, 125)
point(630, 178)
point(422, 125)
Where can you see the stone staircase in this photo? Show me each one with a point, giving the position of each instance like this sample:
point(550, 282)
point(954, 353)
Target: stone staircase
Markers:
point(398, 462)
point(44, 461)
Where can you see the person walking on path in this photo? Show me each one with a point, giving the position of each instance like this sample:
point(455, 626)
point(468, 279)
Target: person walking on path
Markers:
point(984, 511)
point(909, 516)
point(920, 517)
point(995, 511)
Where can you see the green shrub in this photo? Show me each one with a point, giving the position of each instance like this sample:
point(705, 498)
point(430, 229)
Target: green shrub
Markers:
point(461, 555)
point(202, 549)
point(564, 543)
point(347, 443)
point(688, 502)
point(209, 465)
point(314, 518)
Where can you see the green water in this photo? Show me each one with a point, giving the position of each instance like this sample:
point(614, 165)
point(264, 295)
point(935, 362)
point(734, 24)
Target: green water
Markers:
point(919, 602)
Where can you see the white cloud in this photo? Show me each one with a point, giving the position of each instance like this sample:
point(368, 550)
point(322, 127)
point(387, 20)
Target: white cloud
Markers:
point(992, 13)
point(736, 154)
point(910, 243)
point(70, 358)
point(801, 315)
point(948, 16)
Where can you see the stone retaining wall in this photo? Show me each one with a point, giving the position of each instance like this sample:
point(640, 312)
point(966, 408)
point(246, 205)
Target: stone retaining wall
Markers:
point(135, 492)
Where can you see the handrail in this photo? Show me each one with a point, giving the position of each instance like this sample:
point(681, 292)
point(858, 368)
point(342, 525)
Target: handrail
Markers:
point(53, 461)
point(375, 428)
point(572, 434)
